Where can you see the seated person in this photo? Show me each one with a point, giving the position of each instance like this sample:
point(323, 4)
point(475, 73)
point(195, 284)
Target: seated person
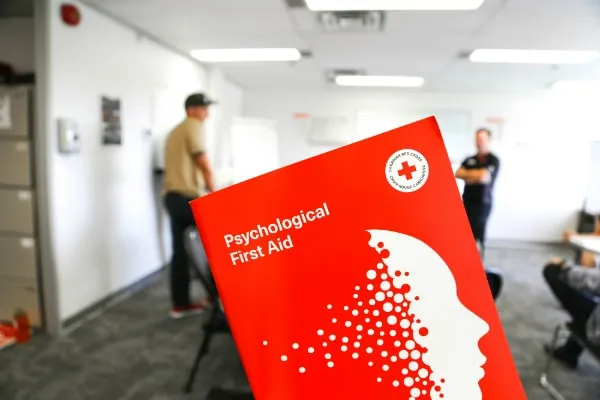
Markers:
point(575, 287)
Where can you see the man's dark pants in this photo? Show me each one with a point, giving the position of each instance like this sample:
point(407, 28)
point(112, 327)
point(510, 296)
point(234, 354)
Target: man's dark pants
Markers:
point(182, 218)
point(478, 215)
point(577, 304)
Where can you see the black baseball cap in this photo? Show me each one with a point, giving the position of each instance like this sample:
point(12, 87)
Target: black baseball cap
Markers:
point(198, 100)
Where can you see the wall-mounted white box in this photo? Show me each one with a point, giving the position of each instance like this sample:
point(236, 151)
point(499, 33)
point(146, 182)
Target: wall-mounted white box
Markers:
point(69, 138)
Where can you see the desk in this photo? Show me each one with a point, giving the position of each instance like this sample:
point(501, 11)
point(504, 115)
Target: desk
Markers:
point(587, 243)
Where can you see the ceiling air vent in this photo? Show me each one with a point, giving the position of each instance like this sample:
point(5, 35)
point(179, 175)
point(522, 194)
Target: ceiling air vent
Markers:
point(351, 21)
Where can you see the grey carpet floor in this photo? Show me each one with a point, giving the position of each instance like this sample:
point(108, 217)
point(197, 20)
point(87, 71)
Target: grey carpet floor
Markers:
point(134, 352)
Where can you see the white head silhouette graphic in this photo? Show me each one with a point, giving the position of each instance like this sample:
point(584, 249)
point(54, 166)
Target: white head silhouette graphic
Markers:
point(443, 325)
point(404, 323)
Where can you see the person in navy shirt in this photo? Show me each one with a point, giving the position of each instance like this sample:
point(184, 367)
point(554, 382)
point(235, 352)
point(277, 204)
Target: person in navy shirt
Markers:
point(479, 173)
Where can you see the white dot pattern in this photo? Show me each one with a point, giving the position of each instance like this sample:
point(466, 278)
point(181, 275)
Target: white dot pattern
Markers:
point(385, 297)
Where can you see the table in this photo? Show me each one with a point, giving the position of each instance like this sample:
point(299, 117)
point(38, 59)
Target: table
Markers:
point(586, 242)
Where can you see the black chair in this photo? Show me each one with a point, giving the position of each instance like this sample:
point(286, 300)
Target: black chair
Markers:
point(580, 337)
point(216, 322)
point(494, 276)
point(495, 280)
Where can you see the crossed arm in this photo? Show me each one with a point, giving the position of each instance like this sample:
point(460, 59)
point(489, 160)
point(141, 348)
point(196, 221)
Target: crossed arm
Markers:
point(479, 175)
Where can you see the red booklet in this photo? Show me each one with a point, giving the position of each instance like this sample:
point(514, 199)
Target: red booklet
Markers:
point(354, 275)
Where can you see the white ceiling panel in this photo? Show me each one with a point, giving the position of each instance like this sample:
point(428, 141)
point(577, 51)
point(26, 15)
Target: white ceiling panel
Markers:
point(189, 34)
point(464, 76)
point(361, 46)
point(251, 22)
point(303, 74)
point(553, 6)
point(281, 39)
point(192, 24)
point(135, 8)
point(573, 29)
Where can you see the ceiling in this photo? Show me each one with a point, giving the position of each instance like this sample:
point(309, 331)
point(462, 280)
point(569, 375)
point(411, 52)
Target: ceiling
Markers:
point(425, 44)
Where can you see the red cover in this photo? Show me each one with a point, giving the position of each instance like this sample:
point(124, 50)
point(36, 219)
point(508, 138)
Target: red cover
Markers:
point(354, 275)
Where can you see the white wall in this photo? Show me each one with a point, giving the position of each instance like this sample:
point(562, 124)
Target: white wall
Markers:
point(537, 196)
point(104, 220)
point(229, 105)
point(16, 43)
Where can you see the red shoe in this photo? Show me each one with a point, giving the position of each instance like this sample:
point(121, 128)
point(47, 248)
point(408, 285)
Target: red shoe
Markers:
point(192, 309)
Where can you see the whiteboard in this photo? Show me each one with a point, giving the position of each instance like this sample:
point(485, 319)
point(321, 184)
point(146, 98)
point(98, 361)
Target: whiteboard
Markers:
point(329, 130)
point(255, 148)
point(456, 126)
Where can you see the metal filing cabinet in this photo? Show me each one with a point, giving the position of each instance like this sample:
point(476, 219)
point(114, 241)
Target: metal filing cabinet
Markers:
point(17, 155)
point(19, 276)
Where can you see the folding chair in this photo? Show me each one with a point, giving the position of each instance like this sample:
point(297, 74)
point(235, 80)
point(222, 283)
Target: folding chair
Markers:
point(216, 323)
point(495, 280)
point(580, 337)
point(494, 276)
point(544, 378)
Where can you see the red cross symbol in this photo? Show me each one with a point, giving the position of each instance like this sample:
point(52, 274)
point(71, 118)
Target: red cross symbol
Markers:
point(407, 170)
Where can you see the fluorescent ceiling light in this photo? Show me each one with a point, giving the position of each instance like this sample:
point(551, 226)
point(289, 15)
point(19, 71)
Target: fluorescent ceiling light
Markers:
point(578, 86)
point(245, 55)
point(379, 81)
point(533, 56)
point(392, 5)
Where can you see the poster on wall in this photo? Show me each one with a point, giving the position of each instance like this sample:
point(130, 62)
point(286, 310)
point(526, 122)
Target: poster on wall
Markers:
point(111, 121)
point(5, 120)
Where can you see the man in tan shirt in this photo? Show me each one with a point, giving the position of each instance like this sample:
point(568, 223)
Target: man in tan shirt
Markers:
point(187, 174)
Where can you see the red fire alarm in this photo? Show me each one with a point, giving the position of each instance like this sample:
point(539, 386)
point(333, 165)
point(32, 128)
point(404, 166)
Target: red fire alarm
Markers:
point(70, 14)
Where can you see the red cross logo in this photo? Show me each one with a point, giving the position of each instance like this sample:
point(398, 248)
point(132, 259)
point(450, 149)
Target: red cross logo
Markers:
point(407, 170)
